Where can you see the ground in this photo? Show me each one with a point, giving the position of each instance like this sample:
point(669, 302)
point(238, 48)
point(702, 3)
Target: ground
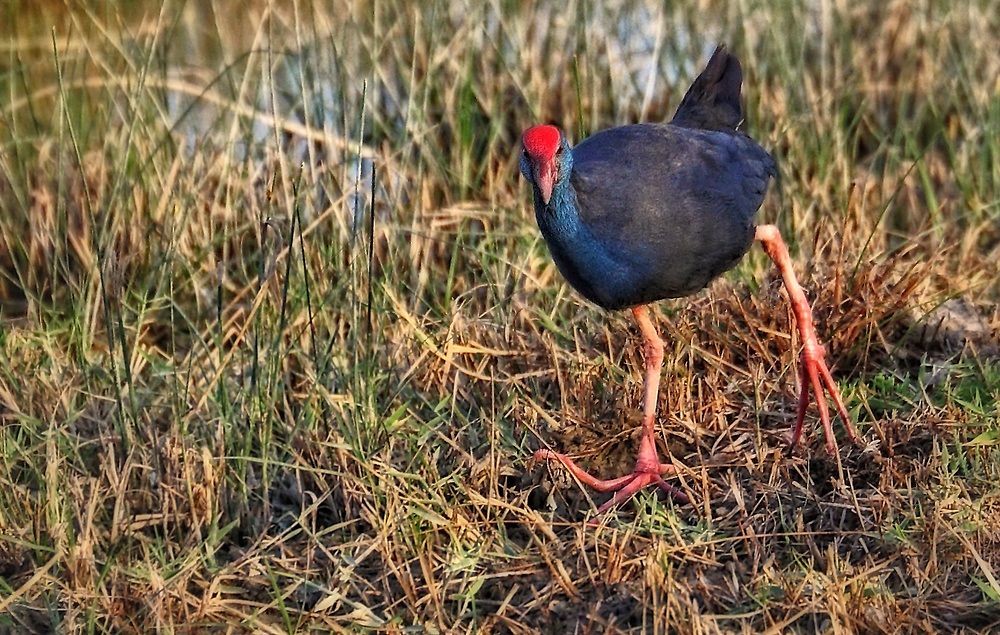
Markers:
point(278, 333)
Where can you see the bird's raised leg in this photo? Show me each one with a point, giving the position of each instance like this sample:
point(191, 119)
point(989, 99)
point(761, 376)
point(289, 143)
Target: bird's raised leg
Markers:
point(648, 469)
point(814, 370)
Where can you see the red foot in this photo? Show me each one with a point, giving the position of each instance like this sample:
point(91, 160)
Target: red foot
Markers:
point(648, 469)
point(814, 371)
point(624, 487)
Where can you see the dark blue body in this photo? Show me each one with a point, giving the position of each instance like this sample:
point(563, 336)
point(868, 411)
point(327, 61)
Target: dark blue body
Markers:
point(651, 211)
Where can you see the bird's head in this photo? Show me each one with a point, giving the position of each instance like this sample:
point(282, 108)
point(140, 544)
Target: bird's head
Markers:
point(545, 159)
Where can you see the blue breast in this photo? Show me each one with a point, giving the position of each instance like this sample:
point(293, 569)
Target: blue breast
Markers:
point(603, 277)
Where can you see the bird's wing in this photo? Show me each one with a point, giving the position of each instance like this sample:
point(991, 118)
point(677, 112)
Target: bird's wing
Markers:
point(646, 172)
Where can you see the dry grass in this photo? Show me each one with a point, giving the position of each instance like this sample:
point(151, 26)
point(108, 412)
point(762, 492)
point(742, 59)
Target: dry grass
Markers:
point(228, 405)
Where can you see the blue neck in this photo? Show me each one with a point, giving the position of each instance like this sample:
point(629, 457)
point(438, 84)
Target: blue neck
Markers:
point(590, 265)
point(559, 218)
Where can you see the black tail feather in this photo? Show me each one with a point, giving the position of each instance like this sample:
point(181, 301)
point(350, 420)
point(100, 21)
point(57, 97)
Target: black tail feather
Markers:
point(713, 101)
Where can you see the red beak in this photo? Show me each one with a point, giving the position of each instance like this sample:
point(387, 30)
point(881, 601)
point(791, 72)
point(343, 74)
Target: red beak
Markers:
point(545, 178)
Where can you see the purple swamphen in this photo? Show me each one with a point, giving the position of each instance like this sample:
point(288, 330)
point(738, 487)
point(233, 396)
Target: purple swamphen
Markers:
point(645, 212)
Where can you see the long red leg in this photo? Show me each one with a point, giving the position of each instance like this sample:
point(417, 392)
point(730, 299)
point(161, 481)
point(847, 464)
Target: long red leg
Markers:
point(652, 355)
point(648, 468)
point(814, 369)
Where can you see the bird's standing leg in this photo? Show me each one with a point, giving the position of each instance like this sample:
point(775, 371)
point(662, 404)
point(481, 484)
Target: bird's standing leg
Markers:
point(814, 370)
point(648, 469)
point(652, 356)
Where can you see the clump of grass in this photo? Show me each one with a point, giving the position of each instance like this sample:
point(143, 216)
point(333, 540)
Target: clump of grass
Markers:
point(278, 331)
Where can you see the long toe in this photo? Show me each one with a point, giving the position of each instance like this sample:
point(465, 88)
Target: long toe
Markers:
point(800, 416)
point(816, 375)
point(824, 410)
point(674, 492)
point(838, 401)
point(582, 475)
